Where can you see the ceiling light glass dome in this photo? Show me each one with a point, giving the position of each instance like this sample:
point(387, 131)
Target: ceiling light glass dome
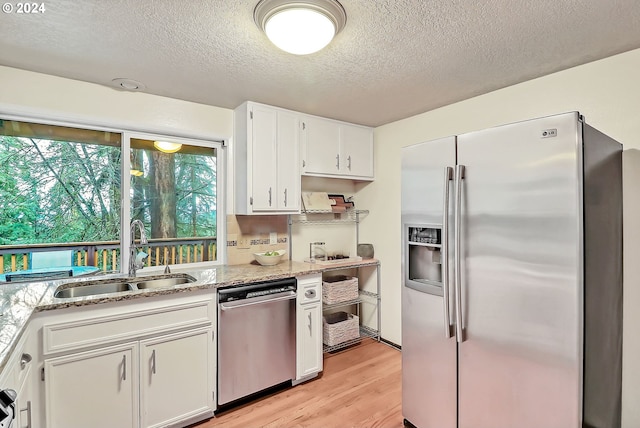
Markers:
point(300, 27)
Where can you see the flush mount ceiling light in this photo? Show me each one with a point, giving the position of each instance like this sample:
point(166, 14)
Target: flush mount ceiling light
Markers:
point(167, 147)
point(300, 27)
point(128, 84)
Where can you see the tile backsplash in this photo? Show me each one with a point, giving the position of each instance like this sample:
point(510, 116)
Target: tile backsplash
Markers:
point(252, 234)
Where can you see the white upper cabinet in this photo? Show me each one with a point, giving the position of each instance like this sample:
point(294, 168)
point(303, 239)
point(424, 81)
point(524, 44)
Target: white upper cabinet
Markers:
point(288, 154)
point(267, 173)
point(321, 141)
point(336, 149)
point(356, 149)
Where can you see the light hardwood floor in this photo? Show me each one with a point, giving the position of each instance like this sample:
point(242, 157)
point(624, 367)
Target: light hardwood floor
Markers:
point(360, 387)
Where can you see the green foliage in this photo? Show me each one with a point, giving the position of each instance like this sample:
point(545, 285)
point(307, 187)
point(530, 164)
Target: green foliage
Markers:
point(195, 188)
point(58, 191)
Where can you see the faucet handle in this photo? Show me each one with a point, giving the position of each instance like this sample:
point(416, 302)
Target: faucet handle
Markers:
point(139, 261)
point(166, 269)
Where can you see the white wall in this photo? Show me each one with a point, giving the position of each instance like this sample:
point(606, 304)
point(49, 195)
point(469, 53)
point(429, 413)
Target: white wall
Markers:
point(54, 98)
point(606, 92)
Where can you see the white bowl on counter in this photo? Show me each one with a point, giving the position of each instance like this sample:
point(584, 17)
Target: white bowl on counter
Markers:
point(269, 260)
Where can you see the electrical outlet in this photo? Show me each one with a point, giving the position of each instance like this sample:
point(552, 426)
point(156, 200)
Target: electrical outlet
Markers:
point(273, 238)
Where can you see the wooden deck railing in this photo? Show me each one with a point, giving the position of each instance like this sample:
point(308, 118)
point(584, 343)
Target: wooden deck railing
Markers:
point(105, 255)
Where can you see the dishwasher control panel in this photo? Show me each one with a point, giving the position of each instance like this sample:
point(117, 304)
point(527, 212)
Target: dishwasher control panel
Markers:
point(268, 291)
point(256, 290)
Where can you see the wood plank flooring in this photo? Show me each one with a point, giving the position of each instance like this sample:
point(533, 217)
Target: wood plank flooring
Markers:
point(360, 387)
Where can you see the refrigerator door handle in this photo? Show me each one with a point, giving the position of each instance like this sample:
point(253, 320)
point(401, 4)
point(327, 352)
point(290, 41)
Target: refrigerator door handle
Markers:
point(457, 280)
point(448, 176)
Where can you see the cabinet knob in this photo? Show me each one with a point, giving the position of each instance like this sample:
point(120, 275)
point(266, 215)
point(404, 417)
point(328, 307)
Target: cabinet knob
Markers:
point(24, 360)
point(310, 293)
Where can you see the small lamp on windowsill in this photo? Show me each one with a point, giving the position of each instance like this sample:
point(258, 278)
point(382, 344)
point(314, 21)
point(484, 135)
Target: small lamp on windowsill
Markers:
point(166, 146)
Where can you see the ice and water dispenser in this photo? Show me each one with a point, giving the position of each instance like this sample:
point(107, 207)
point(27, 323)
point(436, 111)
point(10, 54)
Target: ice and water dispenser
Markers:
point(423, 253)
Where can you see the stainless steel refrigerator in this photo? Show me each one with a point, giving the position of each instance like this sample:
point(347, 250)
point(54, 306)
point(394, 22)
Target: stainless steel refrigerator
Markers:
point(512, 278)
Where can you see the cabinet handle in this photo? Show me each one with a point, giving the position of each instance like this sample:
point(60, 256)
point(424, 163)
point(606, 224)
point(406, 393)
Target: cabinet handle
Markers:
point(28, 410)
point(153, 362)
point(124, 367)
point(24, 360)
point(269, 196)
point(285, 197)
point(338, 161)
point(310, 323)
point(304, 163)
point(349, 162)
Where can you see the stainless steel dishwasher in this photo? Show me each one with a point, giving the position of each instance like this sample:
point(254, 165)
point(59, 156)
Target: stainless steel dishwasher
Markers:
point(256, 338)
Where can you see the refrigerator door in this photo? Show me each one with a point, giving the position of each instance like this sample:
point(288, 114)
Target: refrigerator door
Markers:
point(520, 357)
point(428, 346)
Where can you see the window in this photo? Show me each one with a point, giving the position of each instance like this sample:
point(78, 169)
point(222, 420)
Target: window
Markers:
point(174, 194)
point(61, 204)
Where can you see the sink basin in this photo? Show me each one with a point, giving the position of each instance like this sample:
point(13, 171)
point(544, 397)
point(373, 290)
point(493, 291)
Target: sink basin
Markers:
point(164, 282)
point(115, 285)
point(92, 289)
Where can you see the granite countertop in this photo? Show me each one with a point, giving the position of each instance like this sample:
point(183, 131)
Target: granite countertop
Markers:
point(19, 301)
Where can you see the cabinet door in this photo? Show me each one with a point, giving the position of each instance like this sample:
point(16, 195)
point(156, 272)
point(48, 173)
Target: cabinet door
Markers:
point(97, 389)
point(24, 402)
point(24, 407)
point(356, 147)
point(321, 138)
point(176, 377)
point(309, 336)
point(263, 155)
point(288, 168)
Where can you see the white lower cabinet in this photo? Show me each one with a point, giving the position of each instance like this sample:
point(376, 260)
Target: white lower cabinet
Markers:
point(17, 375)
point(310, 336)
point(309, 327)
point(175, 378)
point(25, 406)
point(170, 376)
point(93, 389)
point(150, 363)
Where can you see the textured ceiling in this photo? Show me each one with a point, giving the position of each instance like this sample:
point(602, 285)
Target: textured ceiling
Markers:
point(394, 58)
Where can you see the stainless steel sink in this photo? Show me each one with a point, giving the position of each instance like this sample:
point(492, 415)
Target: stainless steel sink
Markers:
point(164, 282)
point(115, 285)
point(81, 290)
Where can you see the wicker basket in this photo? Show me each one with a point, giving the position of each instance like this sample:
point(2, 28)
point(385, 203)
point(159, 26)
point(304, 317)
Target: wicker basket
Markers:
point(338, 289)
point(339, 327)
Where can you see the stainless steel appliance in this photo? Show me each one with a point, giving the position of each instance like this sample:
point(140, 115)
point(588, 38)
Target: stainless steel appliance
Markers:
point(7, 408)
point(512, 278)
point(256, 338)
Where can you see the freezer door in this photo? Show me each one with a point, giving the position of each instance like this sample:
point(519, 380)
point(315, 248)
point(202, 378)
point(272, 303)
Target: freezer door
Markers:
point(428, 347)
point(521, 351)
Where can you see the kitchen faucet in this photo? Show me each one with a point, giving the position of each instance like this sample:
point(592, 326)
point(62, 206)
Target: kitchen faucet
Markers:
point(133, 249)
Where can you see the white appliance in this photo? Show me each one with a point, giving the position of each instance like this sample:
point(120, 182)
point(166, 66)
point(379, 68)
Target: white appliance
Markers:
point(512, 278)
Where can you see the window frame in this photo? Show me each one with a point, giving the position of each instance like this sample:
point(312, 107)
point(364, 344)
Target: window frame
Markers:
point(125, 232)
point(125, 146)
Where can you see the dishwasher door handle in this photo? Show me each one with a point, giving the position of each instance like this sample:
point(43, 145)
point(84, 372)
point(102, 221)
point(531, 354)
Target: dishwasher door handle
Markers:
point(287, 295)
